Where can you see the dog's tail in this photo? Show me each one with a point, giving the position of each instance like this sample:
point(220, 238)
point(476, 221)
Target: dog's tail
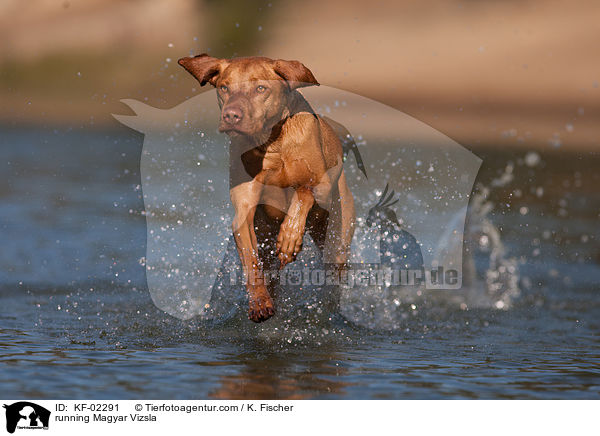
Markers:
point(348, 143)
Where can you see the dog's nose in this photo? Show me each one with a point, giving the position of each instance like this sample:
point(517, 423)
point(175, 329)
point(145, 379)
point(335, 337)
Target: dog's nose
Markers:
point(232, 115)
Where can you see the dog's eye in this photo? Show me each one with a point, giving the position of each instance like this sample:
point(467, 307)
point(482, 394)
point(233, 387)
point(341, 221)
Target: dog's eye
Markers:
point(224, 88)
point(261, 88)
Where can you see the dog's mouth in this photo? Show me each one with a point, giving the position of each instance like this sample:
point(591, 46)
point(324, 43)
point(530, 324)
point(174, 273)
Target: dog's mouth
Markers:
point(236, 130)
point(233, 132)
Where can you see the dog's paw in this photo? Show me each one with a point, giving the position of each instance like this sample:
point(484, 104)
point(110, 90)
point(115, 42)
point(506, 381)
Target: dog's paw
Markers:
point(260, 305)
point(289, 242)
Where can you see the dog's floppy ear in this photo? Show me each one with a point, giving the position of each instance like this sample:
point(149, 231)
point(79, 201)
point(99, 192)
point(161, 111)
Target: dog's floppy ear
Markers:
point(203, 67)
point(295, 74)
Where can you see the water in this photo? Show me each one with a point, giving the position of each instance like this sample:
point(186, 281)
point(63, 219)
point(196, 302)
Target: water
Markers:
point(77, 321)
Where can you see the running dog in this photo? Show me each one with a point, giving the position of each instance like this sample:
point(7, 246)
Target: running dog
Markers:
point(286, 173)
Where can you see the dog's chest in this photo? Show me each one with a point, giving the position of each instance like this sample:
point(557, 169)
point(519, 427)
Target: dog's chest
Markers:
point(259, 159)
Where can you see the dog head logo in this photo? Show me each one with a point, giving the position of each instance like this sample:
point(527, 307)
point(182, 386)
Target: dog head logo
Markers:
point(26, 415)
point(410, 184)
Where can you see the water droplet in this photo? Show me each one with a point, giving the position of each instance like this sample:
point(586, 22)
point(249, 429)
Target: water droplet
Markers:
point(584, 238)
point(539, 192)
point(532, 159)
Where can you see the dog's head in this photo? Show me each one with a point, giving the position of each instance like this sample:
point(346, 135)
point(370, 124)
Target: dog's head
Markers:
point(253, 93)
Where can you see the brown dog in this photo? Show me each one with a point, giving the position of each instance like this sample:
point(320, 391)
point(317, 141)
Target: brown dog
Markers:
point(286, 169)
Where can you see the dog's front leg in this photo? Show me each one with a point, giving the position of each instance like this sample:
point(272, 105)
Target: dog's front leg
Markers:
point(245, 197)
point(291, 232)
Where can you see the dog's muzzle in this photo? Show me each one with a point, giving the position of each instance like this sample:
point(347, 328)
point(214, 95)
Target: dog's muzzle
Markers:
point(232, 115)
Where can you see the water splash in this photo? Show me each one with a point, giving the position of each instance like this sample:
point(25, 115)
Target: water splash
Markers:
point(488, 268)
point(490, 275)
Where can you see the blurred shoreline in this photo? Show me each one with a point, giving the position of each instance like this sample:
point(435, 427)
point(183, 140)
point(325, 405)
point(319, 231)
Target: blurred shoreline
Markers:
point(486, 74)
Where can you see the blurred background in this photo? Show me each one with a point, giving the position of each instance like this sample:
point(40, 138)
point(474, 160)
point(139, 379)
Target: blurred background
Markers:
point(482, 72)
point(514, 81)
